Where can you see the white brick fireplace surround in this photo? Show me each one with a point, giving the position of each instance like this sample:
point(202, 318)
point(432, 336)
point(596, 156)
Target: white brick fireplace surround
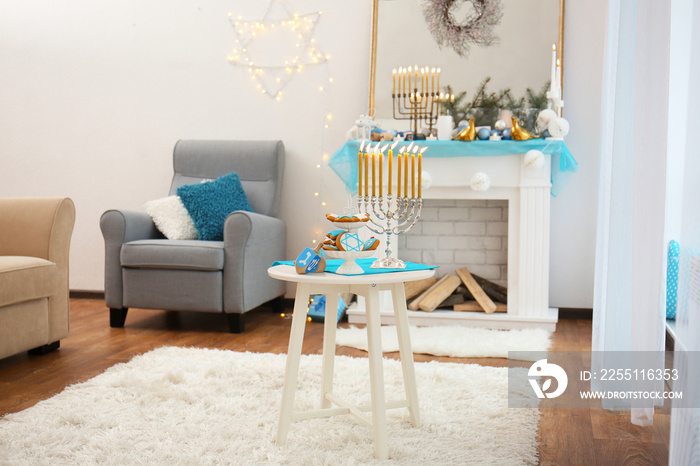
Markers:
point(501, 234)
point(457, 233)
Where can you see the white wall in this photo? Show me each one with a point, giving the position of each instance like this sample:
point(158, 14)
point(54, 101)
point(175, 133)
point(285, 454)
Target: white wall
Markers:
point(574, 209)
point(94, 94)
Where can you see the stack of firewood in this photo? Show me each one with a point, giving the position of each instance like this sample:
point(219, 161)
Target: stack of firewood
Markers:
point(461, 292)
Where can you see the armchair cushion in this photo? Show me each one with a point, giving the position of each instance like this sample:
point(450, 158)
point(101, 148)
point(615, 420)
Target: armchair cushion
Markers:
point(173, 254)
point(209, 203)
point(171, 218)
point(26, 278)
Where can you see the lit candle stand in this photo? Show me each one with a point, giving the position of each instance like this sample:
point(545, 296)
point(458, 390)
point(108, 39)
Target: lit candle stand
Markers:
point(415, 95)
point(391, 214)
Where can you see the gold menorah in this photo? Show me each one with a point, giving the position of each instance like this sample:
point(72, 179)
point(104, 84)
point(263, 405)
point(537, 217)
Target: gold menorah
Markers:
point(418, 98)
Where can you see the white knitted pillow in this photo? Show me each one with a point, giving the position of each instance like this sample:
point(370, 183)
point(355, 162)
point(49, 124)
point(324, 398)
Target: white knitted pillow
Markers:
point(171, 218)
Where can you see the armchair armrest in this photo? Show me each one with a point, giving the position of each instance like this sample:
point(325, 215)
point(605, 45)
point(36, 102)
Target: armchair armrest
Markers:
point(42, 227)
point(119, 227)
point(252, 242)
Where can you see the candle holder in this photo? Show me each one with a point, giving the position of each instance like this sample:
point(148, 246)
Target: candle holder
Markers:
point(415, 96)
point(389, 215)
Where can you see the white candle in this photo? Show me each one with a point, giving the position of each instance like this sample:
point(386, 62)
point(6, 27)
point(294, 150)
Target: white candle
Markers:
point(552, 81)
point(558, 79)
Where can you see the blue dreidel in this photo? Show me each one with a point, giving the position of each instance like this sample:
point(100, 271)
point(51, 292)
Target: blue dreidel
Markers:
point(309, 261)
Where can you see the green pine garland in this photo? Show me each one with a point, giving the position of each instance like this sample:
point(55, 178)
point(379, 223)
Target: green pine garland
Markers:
point(485, 106)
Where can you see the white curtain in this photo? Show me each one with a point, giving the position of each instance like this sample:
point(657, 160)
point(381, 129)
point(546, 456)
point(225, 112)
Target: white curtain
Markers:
point(685, 227)
point(630, 251)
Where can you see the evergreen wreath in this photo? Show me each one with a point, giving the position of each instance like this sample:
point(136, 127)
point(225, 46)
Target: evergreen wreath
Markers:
point(477, 28)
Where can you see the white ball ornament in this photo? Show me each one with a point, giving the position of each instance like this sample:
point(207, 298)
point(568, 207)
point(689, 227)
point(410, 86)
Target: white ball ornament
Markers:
point(534, 159)
point(480, 182)
point(558, 128)
point(500, 125)
point(544, 118)
point(426, 180)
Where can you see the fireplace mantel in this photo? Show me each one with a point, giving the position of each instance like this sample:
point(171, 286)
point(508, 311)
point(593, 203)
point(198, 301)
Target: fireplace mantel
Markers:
point(527, 189)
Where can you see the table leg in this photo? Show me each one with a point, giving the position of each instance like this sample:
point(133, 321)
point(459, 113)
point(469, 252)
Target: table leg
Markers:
point(376, 373)
point(409, 376)
point(296, 340)
point(329, 327)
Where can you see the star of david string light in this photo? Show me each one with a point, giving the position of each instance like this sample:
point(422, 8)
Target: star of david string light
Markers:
point(271, 78)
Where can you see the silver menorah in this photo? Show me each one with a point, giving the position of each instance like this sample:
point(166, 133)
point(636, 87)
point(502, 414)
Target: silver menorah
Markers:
point(390, 214)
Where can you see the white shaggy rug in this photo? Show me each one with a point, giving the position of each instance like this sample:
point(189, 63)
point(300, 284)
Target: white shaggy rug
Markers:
point(455, 341)
point(181, 406)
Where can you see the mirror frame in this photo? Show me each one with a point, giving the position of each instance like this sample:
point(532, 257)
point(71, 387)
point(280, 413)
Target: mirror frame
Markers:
point(373, 50)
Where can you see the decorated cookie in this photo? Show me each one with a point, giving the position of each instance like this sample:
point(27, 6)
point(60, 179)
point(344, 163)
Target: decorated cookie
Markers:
point(371, 244)
point(334, 234)
point(347, 218)
point(349, 242)
point(330, 247)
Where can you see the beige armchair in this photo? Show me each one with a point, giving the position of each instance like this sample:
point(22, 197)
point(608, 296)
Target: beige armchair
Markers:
point(35, 236)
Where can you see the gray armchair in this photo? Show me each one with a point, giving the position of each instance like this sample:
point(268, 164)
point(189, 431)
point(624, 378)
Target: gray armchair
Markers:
point(145, 270)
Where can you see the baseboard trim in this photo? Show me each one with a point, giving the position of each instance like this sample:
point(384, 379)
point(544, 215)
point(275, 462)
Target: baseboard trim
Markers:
point(575, 313)
point(82, 294)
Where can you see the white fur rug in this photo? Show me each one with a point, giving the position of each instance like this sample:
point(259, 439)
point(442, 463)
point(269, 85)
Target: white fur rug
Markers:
point(455, 341)
point(196, 406)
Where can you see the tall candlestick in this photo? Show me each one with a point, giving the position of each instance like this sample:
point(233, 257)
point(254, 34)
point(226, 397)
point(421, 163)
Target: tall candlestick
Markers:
point(393, 81)
point(432, 81)
point(373, 178)
point(557, 78)
point(438, 79)
point(398, 171)
point(359, 173)
point(552, 81)
point(391, 161)
point(405, 175)
point(367, 170)
point(388, 186)
point(409, 81)
point(413, 175)
point(381, 178)
point(420, 171)
point(404, 81)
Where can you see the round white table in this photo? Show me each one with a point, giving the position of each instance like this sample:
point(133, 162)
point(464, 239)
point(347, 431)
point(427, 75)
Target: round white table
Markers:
point(332, 286)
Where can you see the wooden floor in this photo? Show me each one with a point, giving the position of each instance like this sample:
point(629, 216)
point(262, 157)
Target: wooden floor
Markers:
point(566, 436)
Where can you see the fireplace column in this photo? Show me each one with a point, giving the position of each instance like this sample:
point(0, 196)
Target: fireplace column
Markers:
point(533, 238)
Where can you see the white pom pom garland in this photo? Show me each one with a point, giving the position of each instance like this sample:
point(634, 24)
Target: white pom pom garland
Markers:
point(534, 159)
point(426, 180)
point(480, 182)
point(544, 118)
point(558, 128)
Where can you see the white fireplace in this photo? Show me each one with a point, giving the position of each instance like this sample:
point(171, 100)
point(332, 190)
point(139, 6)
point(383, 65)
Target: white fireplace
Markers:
point(527, 192)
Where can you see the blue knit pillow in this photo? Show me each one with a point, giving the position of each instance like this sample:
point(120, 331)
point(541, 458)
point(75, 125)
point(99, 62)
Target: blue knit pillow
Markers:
point(209, 204)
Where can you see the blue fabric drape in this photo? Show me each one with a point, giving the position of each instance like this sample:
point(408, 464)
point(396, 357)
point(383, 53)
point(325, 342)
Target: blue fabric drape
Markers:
point(344, 160)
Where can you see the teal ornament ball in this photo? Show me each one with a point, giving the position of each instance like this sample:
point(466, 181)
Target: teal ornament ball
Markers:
point(506, 134)
point(483, 133)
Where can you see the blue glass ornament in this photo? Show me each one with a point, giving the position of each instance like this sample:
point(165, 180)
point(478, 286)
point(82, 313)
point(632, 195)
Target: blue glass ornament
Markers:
point(483, 133)
point(506, 133)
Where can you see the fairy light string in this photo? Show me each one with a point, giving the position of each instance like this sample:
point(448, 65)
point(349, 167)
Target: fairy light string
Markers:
point(271, 79)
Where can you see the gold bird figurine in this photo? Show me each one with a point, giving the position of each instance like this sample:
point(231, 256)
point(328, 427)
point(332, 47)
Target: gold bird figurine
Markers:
point(468, 133)
point(520, 134)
